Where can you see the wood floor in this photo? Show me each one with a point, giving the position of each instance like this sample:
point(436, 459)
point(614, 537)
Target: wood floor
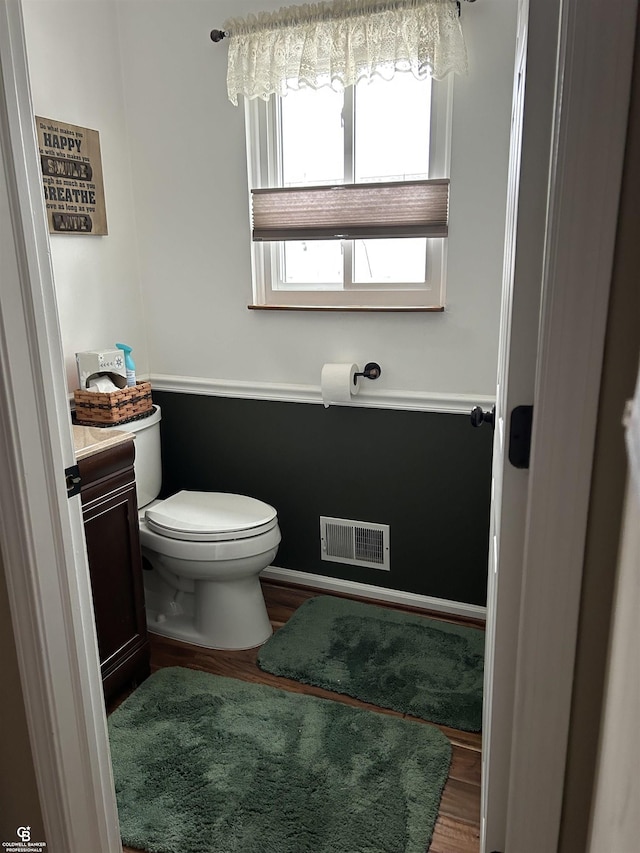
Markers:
point(457, 829)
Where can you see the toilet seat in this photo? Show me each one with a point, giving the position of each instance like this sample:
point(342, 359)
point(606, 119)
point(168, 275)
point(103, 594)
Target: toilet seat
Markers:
point(210, 517)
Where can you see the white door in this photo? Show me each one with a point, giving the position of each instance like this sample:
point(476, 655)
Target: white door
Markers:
point(564, 178)
point(528, 169)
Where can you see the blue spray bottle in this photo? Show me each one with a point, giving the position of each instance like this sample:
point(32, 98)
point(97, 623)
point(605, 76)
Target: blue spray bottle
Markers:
point(128, 363)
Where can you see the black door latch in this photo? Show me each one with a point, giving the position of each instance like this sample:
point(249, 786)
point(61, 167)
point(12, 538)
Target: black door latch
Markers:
point(520, 436)
point(72, 476)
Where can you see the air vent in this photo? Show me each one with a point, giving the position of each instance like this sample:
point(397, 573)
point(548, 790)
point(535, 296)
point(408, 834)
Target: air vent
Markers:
point(358, 543)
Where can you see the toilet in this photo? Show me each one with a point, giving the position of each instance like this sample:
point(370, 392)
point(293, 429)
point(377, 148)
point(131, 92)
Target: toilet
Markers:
point(206, 551)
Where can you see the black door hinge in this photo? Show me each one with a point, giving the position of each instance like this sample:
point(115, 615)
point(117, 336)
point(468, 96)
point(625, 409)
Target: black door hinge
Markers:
point(73, 479)
point(520, 436)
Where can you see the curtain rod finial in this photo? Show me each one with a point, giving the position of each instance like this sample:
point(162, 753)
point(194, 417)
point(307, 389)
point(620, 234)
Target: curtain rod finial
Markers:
point(218, 35)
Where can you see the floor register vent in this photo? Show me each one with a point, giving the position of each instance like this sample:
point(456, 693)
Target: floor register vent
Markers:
point(358, 543)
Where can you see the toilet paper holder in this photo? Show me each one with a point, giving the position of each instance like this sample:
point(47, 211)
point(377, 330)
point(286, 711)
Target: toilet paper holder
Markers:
point(371, 371)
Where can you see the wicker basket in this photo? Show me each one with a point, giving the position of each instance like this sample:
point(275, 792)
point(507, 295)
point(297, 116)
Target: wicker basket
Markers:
point(94, 408)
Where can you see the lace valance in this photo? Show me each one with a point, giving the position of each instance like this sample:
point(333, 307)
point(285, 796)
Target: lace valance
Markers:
point(339, 43)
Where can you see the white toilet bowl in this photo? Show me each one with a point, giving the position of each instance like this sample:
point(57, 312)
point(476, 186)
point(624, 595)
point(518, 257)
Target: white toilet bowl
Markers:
point(207, 550)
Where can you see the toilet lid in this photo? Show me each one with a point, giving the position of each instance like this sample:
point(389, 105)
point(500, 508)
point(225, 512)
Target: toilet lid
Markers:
point(210, 516)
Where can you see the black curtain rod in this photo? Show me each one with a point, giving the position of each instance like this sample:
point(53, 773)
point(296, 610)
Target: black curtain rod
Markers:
point(218, 35)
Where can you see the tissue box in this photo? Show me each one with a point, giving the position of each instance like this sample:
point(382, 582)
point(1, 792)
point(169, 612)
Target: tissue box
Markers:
point(117, 407)
point(99, 361)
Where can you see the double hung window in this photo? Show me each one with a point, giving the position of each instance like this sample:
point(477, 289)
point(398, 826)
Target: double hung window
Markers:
point(384, 139)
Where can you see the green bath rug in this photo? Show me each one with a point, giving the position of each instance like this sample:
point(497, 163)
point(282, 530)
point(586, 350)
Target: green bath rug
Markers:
point(405, 662)
point(205, 764)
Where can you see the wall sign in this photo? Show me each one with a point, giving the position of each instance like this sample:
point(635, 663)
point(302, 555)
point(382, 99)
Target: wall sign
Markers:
point(71, 177)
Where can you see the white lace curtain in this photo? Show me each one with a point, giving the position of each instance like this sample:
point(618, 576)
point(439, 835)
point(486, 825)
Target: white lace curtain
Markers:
point(340, 43)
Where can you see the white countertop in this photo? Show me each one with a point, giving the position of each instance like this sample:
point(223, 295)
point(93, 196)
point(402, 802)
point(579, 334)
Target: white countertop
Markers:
point(91, 440)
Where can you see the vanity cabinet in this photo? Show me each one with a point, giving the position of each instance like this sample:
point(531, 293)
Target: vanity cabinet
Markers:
point(109, 508)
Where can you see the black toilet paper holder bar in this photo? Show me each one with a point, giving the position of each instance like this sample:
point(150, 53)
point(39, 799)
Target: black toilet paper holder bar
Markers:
point(371, 371)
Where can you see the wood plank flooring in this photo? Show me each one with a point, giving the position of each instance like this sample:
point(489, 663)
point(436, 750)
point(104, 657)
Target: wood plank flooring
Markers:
point(457, 829)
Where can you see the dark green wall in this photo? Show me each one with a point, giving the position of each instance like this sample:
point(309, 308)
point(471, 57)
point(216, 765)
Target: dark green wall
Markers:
point(426, 475)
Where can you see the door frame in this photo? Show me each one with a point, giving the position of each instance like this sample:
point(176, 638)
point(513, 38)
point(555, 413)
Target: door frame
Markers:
point(592, 101)
point(41, 530)
point(577, 114)
point(56, 645)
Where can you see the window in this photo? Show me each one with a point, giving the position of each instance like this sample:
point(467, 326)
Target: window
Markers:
point(384, 132)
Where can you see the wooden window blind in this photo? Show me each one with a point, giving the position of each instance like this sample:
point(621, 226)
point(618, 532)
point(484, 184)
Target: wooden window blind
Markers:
point(352, 211)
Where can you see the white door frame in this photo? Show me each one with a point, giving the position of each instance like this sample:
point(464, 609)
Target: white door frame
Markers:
point(41, 533)
point(574, 119)
point(594, 72)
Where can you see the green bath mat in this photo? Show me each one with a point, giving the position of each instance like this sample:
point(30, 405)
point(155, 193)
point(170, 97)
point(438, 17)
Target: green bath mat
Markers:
point(205, 764)
point(409, 663)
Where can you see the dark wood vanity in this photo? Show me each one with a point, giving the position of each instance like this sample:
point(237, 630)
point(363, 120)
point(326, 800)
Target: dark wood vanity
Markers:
point(109, 508)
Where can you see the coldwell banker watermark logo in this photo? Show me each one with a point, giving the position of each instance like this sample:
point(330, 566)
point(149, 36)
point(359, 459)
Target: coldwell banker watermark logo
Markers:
point(24, 843)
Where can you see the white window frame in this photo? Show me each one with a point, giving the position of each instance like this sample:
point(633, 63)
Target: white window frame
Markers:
point(263, 166)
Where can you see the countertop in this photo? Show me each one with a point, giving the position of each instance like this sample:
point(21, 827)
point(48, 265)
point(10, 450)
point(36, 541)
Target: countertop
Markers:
point(91, 440)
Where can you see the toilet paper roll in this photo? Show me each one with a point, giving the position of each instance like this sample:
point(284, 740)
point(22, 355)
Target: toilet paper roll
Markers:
point(337, 383)
point(102, 384)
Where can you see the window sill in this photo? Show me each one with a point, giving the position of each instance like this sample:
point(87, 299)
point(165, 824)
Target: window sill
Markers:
point(394, 309)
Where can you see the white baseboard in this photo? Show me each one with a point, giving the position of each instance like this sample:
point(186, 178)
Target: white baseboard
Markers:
point(414, 401)
point(379, 593)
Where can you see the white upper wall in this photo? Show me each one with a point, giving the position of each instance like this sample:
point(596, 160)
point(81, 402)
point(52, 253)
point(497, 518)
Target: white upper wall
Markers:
point(188, 247)
point(190, 185)
point(74, 66)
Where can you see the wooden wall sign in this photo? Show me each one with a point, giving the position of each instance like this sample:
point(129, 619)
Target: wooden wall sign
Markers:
point(71, 177)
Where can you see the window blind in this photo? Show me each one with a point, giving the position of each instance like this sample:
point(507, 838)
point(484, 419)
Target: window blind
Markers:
point(352, 211)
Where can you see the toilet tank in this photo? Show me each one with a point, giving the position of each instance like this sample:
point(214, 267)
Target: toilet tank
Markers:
point(148, 461)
